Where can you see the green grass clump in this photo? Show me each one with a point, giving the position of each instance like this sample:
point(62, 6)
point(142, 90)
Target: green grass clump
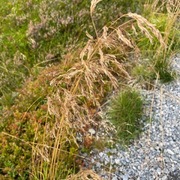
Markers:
point(125, 112)
point(162, 67)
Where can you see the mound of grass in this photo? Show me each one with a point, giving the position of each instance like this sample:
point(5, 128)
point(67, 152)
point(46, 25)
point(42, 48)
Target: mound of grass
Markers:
point(125, 112)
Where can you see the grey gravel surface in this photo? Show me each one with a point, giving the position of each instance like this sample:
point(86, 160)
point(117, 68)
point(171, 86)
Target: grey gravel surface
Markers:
point(156, 154)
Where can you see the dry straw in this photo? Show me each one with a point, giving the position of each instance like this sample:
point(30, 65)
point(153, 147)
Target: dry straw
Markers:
point(147, 28)
point(85, 175)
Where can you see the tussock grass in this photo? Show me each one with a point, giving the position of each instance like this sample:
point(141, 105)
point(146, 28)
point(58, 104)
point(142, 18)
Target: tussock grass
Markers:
point(125, 113)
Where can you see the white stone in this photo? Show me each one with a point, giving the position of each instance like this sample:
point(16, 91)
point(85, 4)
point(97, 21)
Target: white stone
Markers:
point(125, 177)
point(117, 161)
point(92, 131)
point(101, 154)
point(170, 152)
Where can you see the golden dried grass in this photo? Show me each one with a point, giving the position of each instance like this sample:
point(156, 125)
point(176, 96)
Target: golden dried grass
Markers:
point(85, 175)
point(83, 80)
point(87, 78)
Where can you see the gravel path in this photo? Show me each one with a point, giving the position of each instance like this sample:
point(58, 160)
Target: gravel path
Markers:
point(156, 154)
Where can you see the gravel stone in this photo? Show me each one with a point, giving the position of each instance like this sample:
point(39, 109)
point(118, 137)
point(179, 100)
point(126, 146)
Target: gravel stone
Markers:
point(175, 175)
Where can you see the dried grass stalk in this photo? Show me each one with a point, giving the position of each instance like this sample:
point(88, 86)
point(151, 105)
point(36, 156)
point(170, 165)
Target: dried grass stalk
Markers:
point(147, 28)
point(85, 175)
point(93, 5)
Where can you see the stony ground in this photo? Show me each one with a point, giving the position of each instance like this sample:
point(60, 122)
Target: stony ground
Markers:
point(156, 154)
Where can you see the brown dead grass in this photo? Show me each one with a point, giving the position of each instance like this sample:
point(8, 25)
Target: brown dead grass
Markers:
point(85, 175)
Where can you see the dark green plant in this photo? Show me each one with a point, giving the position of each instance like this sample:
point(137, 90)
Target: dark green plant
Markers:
point(152, 67)
point(125, 111)
point(163, 70)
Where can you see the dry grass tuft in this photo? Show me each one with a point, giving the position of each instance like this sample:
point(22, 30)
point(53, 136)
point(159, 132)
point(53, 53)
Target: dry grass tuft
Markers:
point(81, 83)
point(147, 28)
point(55, 157)
point(172, 7)
point(92, 8)
point(85, 175)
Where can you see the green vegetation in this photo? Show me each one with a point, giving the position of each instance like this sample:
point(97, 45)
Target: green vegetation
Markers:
point(40, 32)
point(154, 62)
point(125, 113)
point(59, 61)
